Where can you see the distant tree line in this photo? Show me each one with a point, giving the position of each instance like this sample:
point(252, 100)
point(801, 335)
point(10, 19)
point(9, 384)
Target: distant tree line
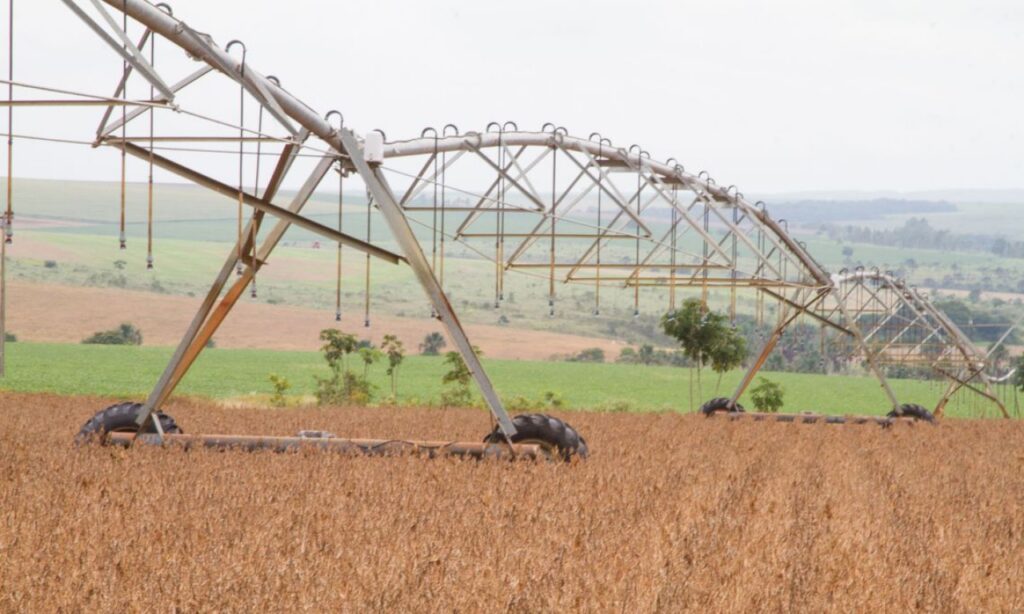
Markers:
point(919, 234)
point(831, 210)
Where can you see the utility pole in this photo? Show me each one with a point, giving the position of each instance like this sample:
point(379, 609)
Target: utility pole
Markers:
point(3, 292)
point(8, 215)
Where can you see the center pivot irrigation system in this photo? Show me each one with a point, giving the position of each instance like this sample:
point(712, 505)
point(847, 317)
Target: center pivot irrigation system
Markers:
point(564, 209)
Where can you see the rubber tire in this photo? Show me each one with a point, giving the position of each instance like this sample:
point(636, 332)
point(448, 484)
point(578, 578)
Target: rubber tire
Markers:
point(121, 417)
point(720, 404)
point(558, 435)
point(912, 410)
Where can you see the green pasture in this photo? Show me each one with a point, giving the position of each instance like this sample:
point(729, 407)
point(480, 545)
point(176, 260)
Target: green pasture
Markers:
point(129, 372)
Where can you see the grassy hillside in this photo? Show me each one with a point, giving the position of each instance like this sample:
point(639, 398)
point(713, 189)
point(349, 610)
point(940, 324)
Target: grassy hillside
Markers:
point(129, 372)
point(194, 226)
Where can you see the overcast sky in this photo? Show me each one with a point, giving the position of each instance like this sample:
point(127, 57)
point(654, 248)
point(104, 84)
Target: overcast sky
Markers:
point(772, 96)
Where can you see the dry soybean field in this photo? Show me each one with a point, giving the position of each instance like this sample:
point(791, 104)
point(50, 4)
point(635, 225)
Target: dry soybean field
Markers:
point(671, 513)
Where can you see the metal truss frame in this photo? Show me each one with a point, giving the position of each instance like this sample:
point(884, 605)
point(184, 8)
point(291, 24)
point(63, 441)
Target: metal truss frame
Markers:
point(688, 231)
point(343, 146)
point(903, 327)
point(739, 244)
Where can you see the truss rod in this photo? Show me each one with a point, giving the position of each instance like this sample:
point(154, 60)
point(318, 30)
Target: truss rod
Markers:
point(260, 204)
point(159, 101)
point(399, 225)
point(198, 339)
point(137, 61)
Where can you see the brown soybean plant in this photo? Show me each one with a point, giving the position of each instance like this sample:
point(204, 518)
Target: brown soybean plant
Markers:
point(671, 513)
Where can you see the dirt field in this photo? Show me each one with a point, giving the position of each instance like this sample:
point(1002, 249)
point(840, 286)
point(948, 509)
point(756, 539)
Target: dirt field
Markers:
point(43, 312)
point(671, 513)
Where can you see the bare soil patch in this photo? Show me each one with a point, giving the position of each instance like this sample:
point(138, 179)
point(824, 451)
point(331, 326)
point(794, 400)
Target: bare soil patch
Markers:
point(55, 313)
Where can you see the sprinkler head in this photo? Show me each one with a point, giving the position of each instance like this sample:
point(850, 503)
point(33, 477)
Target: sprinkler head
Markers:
point(337, 316)
point(366, 323)
point(636, 313)
point(597, 312)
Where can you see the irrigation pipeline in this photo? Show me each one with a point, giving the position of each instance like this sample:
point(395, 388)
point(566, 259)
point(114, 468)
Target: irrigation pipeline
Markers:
point(371, 447)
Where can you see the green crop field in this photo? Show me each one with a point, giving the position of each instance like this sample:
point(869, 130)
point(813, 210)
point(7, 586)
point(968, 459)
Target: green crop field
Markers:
point(128, 372)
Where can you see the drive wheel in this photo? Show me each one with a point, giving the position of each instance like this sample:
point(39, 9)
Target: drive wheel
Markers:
point(912, 410)
point(720, 405)
point(554, 436)
point(120, 418)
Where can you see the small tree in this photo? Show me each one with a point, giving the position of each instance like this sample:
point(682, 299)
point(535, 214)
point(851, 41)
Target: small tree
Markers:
point(456, 380)
point(767, 395)
point(336, 348)
point(432, 344)
point(706, 338)
point(728, 354)
point(369, 355)
point(396, 354)
point(280, 384)
point(343, 387)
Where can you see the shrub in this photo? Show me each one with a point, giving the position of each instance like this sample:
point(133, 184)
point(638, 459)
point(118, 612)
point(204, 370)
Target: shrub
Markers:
point(588, 355)
point(10, 337)
point(767, 395)
point(518, 404)
point(432, 344)
point(547, 401)
point(456, 396)
point(344, 388)
point(552, 400)
point(616, 406)
point(126, 334)
point(50, 264)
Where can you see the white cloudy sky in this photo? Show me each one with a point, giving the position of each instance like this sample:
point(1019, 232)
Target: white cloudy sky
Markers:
point(773, 96)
